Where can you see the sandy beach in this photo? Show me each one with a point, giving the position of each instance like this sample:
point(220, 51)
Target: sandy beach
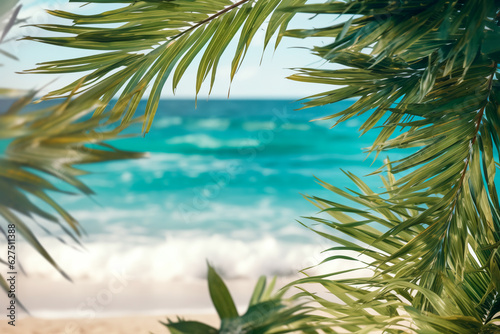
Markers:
point(61, 307)
point(115, 325)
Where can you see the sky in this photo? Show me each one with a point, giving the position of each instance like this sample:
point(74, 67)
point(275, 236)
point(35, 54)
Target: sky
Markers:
point(254, 80)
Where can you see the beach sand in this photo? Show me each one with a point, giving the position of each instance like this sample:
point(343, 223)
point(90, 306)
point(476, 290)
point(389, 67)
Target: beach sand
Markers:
point(61, 307)
point(116, 325)
point(134, 306)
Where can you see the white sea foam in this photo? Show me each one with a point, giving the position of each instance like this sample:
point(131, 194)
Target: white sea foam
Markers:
point(126, 176)
point(296, 126)
point(167, 271)
point(258, 125)
point(165, 122)
point(129, 275)
point(178, 256)
point(194, 212)
point(353, 123)
point(158, 163)
point(219, 124)
point(208, 142)
point(264, 214)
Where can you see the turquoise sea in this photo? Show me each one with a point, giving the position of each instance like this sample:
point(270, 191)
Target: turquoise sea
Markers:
point(225, 166)
point(235, 169)
point(223, 182)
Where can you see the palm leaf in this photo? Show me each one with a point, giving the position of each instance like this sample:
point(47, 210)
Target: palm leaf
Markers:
point(153, 41)
point(423, 70)
point(49, 142)
point(392, 298)
point(267, 313)
point(9, 10)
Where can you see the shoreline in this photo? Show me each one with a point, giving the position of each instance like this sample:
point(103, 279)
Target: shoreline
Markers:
point(136, 324)
point(46, 299)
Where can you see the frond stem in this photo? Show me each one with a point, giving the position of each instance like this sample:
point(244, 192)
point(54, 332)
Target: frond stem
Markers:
point(495, 305)
point(480, 115)
point(210, 18)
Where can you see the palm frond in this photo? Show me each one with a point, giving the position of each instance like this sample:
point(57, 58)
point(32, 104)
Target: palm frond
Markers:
point(429, 70)
point(9, 10)
point(49, 143)
point(392, 299)
point(154, 40)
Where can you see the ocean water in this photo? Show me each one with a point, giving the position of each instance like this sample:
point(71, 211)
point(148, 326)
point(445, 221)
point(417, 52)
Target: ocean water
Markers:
point(223, 167)
point(223, 182)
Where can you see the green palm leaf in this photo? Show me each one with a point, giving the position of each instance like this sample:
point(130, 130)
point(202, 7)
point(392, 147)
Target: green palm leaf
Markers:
point(267, 313)
point(391, 298)
point(45, 144)
point(49, 143)
point(9, 11)
point(153, 41)
point(426, 70)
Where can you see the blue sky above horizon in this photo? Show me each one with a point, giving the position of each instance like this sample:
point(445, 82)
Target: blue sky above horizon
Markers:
point(256, 79)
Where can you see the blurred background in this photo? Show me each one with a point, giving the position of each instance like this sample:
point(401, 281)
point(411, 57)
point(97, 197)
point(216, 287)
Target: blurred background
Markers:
point(223, 183)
